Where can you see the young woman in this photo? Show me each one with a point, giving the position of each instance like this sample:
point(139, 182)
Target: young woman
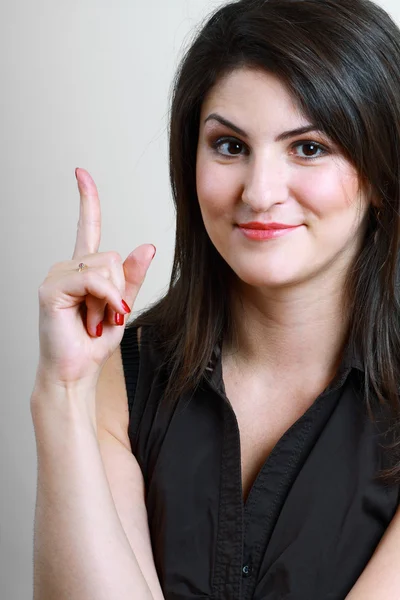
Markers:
point(239, 439)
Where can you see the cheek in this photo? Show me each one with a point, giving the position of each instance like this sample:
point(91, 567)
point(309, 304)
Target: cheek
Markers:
point(216, 187)
point(328, 192)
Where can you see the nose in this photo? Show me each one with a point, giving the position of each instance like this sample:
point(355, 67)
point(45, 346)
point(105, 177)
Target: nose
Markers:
point(265, 183)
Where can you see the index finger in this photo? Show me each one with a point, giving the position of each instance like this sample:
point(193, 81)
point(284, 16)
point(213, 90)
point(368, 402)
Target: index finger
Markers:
point(89, 225)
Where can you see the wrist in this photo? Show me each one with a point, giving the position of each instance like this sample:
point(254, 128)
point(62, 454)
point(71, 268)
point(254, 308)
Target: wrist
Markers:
point(67, 402)
point(45, 378)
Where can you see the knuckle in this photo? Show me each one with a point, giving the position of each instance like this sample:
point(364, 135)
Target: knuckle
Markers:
point(44, 295)
point(97, 277)
point(89, 276)
point(56, 267)
point(114, 257)
point(104, 272)
point(42, 290)
point(86, 277)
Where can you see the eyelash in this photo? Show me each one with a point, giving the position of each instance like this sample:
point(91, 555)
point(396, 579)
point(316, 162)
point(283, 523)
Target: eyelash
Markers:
point(224, 140)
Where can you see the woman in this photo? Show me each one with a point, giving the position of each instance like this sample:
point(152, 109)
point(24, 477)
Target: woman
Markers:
point(252, 413)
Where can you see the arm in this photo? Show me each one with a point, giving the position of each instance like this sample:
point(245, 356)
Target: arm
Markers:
point(81, 550)
point(380, 579)
point(123, 472)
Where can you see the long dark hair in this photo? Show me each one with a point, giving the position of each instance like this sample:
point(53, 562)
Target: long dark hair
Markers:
point(341, 61)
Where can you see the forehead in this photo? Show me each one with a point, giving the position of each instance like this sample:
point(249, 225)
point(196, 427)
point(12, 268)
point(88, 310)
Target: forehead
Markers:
point(252, 91)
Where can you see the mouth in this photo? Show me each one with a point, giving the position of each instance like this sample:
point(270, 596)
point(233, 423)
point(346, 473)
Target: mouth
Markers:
point(267, 232)
point(266, 226)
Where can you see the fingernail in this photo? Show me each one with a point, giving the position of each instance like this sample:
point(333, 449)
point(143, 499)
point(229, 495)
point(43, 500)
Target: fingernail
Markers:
point(76, 174)
point(119, 319)
point(125, 306)
point(99, 329)
point(155, 250)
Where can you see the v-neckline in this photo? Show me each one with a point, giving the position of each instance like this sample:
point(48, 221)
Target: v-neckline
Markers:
point(215, 379)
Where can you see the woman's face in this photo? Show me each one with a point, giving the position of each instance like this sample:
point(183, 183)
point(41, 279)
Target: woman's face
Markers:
point(252, 170)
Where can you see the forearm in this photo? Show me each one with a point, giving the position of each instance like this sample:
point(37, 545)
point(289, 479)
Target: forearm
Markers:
point(80, 548)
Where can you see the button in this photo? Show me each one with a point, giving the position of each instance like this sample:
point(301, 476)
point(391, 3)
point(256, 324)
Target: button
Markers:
point(246, 571)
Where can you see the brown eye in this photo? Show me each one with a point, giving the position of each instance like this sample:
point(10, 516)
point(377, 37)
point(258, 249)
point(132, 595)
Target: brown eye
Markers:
point(311, 149)
point(228, 147)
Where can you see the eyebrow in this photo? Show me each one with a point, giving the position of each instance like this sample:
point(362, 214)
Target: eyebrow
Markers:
point(282, 136)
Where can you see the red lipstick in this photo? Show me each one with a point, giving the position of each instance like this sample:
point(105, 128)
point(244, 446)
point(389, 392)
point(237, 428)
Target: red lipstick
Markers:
point(255, 230)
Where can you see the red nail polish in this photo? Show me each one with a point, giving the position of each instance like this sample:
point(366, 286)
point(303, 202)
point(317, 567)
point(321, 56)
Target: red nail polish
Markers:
point(99, 329)
point(125, 307)
point(119, 319)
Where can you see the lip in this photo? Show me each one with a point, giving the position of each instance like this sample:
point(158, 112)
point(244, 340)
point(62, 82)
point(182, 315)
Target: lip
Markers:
point(263, 231)
point(265, 226)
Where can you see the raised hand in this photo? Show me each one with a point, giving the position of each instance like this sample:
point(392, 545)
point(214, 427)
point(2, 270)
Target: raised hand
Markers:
point(81, 319)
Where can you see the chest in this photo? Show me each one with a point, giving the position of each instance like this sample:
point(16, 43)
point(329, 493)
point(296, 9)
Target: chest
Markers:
point(314, 497)
point(264, 413)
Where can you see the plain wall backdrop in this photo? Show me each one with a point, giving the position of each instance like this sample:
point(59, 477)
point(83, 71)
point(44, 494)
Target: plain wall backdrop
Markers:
point(84, 84)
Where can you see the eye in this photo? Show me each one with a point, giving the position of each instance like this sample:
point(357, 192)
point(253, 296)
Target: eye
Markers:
point(231, 147)
point(228, 146)
point(312, 147)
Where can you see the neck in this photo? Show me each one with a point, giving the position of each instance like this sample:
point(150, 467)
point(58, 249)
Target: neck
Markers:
point(293, 331)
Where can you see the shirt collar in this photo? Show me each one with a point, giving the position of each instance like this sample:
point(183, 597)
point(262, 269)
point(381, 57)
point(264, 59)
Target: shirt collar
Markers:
point(351, 359)
point(352, 356)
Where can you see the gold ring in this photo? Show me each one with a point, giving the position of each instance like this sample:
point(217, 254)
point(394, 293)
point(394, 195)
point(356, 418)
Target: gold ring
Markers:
point(82, 266)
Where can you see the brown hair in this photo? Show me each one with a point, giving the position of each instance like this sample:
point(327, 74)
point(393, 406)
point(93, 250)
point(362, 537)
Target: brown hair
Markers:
point(341, 62)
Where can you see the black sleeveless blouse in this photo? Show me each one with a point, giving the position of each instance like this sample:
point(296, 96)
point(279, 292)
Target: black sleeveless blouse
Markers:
point(314, 514)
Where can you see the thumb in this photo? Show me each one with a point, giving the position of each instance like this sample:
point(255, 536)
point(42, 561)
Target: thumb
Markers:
point(135, 269)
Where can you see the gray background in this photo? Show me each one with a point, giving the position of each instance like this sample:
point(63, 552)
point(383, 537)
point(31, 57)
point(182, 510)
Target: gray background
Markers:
point(83, 84)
